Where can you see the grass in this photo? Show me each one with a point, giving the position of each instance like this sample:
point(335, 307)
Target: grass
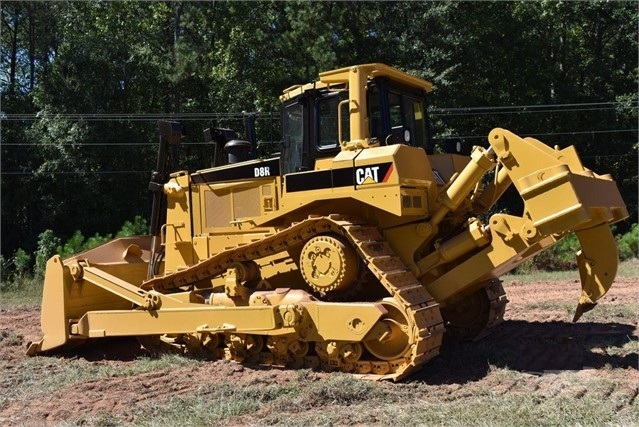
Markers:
point(24, 292)
point(293, 404)
point(604, 311)
point(340, 399)
point(343, 400)
point(628, 268)
point(212, 404)
point(581, 402)
point(630, 347)
point(47, 374)
point(10, 338)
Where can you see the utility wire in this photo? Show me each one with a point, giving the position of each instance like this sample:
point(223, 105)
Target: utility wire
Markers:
point(209, 116)
point(582, 132)
point(97, 144)
point(451, 111)
point(133, 117)
point(543, 106)
point(584, 106)
point(75, 173)
point(443, 137)
point(23, 173)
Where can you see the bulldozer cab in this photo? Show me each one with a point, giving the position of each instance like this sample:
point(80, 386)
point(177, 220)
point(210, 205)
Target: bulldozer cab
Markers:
point(325, 117)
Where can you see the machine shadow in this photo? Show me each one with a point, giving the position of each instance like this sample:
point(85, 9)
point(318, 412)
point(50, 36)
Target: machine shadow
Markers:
point(121, 349)
point(533, 347)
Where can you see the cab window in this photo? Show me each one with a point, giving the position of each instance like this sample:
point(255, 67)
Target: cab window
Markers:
point(292, 137)
point(327, 122)
point(407, 112)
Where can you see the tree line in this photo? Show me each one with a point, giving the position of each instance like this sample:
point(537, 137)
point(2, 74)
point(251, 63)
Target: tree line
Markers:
point(84, 83)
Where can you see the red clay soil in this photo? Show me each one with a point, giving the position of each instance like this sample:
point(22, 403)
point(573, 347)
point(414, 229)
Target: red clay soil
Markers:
point(537, 337)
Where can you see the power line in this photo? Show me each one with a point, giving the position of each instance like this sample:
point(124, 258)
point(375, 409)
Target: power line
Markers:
point(133, 117)
point(76, 173)
point(583, 132)
point(443, 137)
point(523, 111)
point(540, 108)
point(580, 104)
point(445, 111)
point(23, 173)
point(97, 144)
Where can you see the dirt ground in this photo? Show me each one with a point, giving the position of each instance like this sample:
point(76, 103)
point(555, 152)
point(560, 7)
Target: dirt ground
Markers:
point(537, 337)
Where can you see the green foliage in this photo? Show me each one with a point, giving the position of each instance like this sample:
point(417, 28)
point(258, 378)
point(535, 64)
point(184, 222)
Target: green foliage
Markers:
point(628, 244)
point(18, 267)
point(138, 227)
point(78, 243)
point(48, 244)
point(4, 268)
point(14, 269)
point(561, 256)
point(21, 278)
point(22, 261)
point(166, 58)
point(72, 246)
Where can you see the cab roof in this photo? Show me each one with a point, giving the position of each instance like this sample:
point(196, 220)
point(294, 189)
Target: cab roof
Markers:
point(340, 77)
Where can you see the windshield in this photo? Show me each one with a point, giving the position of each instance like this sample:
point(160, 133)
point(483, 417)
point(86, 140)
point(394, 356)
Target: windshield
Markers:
point(327, 123)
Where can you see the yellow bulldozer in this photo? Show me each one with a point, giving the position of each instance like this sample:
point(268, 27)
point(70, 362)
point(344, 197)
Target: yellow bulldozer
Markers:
point(354, 248)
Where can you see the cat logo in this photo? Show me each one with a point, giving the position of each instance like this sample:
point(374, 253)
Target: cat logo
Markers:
point(369, 175)
point(373, 174)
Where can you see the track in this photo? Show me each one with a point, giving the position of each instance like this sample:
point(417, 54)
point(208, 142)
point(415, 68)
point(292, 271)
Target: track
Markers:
point(473, 317)
point(413, 313)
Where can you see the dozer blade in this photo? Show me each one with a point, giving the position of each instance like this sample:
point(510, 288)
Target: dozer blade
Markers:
point(597, 261)
point(65, 299)
point(54, 320)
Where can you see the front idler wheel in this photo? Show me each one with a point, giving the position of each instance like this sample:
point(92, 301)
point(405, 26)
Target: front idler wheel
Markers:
point(393, 338)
